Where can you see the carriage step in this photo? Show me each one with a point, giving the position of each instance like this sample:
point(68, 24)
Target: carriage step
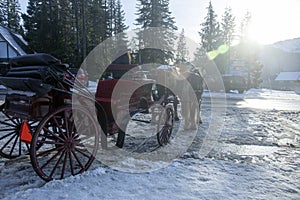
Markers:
point(140, 120)
point(25, 133)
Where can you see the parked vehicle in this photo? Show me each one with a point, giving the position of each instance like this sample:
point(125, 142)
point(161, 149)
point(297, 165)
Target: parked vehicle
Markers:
point(80, 75)
point(234, 82)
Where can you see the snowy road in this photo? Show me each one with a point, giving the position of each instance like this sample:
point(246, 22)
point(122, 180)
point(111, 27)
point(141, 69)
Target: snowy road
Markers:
point(257, 156)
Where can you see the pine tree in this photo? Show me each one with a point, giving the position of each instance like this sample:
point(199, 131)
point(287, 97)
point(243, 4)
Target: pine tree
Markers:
point(228, 26)
point(13, 16)
point(70, 29)
point(245, 26)
point(120, 26)
point(210, 32)
point(211, 42)
point(96, 26)
point(156, 13)
point(40, 23)
point(111, 12)
point(182, 50)
point(10, 15)
point(2, 13)
point(248, 51)
point(227, 31)
point(66, 36)
point(255, 70)
point(33, 23)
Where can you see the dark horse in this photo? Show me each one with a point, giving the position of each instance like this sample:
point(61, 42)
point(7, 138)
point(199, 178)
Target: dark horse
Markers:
point(182, 82)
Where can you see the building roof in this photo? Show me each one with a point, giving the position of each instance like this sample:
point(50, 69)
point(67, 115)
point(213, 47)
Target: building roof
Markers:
point(288, 76)
point(14, 40)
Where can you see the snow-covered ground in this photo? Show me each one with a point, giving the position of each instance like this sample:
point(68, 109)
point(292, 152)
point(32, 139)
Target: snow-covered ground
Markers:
point(256, 156)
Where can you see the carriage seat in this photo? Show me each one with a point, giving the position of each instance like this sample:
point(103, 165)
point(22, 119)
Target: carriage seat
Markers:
point(33, 60)
point(34, 72)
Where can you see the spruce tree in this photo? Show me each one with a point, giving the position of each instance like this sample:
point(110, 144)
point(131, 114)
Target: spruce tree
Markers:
point(10, 15)
point(228, 26)
point(111, 13)
point(227, 31)
point(119, 25)
point(182, 50)
point(65, 37)
point(2, 13)
point(96, 26)
point(156, 13)
point(13, 16)
point(33, 23)
point(255, 71)
point(210, 32)
point(244, 29)
point(248, 51)
point(39, 23)
point(70, 29)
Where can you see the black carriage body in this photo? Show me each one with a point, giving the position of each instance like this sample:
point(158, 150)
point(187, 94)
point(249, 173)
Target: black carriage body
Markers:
point(31, 80)
point(27, 107)
point(37, 117)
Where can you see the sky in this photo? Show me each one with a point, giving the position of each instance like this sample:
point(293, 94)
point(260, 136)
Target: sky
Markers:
point(272, 20)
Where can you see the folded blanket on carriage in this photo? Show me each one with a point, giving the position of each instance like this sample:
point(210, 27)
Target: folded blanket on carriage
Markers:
point(37, 73)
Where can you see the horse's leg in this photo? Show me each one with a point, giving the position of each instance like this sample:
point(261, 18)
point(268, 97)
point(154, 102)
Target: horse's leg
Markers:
point(175, 104)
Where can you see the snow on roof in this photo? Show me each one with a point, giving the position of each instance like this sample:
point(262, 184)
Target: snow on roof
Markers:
point(165, 67)
point(292, 45)
point(9, 38)
point(288, 76)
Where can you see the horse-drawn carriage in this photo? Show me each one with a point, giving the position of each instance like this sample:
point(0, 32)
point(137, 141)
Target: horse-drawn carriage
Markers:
point(61, 131)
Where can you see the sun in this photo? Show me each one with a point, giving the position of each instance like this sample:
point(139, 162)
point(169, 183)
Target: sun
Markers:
point(267, 29)
point(271, 21)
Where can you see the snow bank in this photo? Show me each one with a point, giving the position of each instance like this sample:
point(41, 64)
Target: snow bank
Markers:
point(272, 94)
point(184, 179)
point(255, 94)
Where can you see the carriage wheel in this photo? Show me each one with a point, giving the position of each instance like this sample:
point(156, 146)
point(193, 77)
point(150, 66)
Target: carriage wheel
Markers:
point(165, 126)
point(11, 145)
point(65, 143)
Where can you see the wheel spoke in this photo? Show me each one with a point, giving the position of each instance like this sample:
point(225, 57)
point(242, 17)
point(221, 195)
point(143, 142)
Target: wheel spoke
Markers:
point(165, 127)
point(45, 153)
point(18, 120)
point(77, 159)
point(81, 152)
point(59, 128)
point(51, 159)
point(9, 124)
point(8, 129)
point(64, 166)
point(50, 142)
point(27, 145)
point(72, 129)
point(52, 133)
point(57, 145)
point(66, 123)
point(71, 163)
point(8, 142)
point(14, 145)
point(57, 163)
point(11, 120)
point(8, 134)
point(20, 147)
